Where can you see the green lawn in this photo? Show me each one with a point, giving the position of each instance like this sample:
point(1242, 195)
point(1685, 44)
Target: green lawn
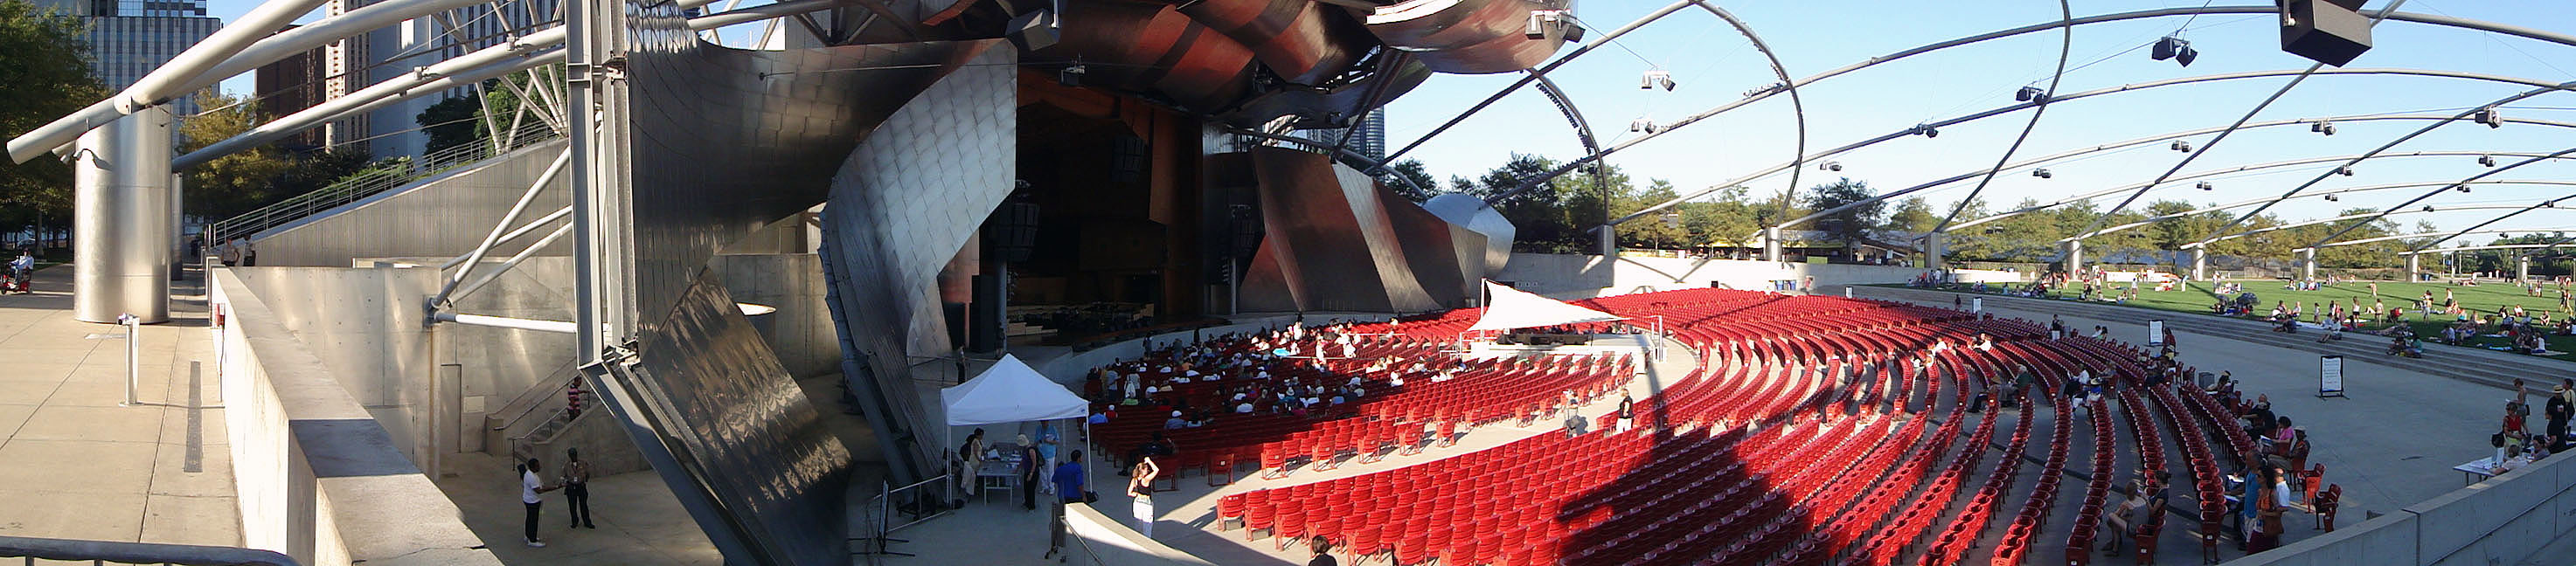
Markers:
point(2482, 299)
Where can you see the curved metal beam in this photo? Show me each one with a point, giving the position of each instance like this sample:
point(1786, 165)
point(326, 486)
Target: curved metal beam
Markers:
point(2346, 217)
point(2133, 143)
point(2215, 172)
point(1583, 132)
point(1533, 75)
point(2551, 203)
point(2065, 45)
point(2414, 235)
point(2057, 99)
point(2438, 192)
point(2151, 220)
point(2213, 142)
point(1798, 109)
point(2484, 247)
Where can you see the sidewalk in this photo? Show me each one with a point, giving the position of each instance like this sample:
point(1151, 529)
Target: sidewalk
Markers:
point(74, 462)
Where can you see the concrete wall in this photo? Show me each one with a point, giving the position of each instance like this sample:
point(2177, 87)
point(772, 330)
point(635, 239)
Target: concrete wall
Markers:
point(364, 325)
point(1566, 276)
point(2498, 521)
point(1099, 540)
point(318, 478)
point(444, 215)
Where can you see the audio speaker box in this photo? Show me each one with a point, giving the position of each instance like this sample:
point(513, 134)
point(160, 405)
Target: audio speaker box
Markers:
point(2328, 31)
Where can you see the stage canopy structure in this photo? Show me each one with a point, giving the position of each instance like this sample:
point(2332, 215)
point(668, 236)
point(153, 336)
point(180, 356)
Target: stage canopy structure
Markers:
point(1507, 308)
point(1010, 392)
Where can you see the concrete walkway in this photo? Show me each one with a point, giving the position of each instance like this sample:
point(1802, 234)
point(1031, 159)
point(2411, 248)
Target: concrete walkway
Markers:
point(639, 522)
point(74, 462)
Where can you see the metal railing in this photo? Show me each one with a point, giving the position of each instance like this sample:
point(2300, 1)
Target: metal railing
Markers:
point(375, 179)
point(30, 550)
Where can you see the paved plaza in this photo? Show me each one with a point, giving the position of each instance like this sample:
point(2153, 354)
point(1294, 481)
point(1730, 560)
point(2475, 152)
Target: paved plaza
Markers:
point(77, 463)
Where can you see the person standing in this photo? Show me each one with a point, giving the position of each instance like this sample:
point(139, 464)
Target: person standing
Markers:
point(576, 486)
point(971, 457)
point(1140, 485)
point(1071, 484)
point(529, 486)
point(1030, 463)
point(1323, 549)
point(1627, 412)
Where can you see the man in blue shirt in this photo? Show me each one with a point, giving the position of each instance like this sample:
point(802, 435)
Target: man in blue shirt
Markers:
point(1069, 479)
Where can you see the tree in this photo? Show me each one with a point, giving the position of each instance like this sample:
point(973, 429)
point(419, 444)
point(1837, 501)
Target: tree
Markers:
point(452, 122)
point(1849, 225)
point(1913, 215)
point(1665, 229)
point(44, 74)
point(233, 183)
point(1421, 186)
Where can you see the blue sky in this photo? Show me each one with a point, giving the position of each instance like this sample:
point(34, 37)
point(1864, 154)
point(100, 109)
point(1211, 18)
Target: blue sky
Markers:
point(1715, 65)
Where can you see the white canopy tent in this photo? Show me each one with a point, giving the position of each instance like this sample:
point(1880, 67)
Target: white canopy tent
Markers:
point(1010, 392)
point(1507, 308)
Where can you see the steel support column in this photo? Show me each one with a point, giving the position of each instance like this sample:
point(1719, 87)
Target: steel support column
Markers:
point(2074, 256)
point(1770, 244)
point(2199, 264)
point(1935, 245)
point(2414, 267)
point(2522, 268)
point(121, 230)
point(2307, 263)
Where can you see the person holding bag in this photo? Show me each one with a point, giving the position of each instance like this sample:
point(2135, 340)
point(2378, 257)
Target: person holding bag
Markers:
point(2269, 504)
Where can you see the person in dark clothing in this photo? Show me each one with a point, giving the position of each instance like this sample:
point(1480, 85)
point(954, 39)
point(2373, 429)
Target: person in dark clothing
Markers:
point(1030, 461)
point(1158, 446)
point(1323, 548)
point(1070, 482)
point(576, 486)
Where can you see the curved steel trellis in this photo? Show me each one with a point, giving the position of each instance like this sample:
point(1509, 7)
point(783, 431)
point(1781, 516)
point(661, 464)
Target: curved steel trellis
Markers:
point(2151, 220)
point(2438, 192)
point(2065, 45)
point(2236, 169)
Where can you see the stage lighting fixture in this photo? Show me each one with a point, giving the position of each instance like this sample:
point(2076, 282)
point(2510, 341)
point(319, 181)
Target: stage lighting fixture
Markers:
point(2181, 146)
point(2322, 127)
point(2168, 48)
point(2490, 117)
point(2042, 173)
point(2031, 94)
point(2462, 187)
point(2204, 185)
point(2487, 160)
point(2549, 204)
point(1830, 166)
point(1927, 130)
point(1540, 21)
point(1656, 78)
point(1071, 75)
point(2428, 208)
point(2344, 171)
point(1644, 125)
point(2330, 197)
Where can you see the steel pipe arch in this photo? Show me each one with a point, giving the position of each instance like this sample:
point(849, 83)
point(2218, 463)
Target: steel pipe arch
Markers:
point(2151, 220)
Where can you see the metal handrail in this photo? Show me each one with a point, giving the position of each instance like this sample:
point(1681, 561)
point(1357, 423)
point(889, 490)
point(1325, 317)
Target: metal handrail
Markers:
point(373, 181)
point(120, 552)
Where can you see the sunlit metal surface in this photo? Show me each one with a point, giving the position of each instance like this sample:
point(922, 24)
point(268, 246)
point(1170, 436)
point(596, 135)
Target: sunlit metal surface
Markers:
point(443, 215)
point(1150, 48)
point(728, 140)
point(732, 433)
point(121, 225)
point(1469, 36)
point(1472, 213)
point(1334, 240)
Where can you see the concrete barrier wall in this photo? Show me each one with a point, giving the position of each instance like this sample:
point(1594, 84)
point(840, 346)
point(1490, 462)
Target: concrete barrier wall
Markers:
point(318, 478)
point(2499, 521)
point(1567, 276)
point(1097, 539)
point(365, 327)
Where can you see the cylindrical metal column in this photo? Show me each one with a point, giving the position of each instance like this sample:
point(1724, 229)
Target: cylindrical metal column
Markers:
point(2307, 263)
point(2414, 267)
point(121, 229)
point(2199, 264)
point(1771, 243)
point(2074, 256)
point(1934, 245)
point(2522, 269)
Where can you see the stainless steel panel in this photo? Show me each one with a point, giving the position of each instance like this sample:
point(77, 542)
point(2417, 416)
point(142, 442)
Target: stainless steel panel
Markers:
point(1336, 104)
point(725, 141)
point(1471, 213)
point(1468, 36)
point(902, 205)
point(1304, 42)
point(756, 461)
point(121, 228)
point(1318, 217)
point(442, 216)
point(1153, 49)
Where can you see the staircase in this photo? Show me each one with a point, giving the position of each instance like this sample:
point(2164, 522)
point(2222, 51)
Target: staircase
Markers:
point(374, 180)
point(2475, 366)
point(539, 424)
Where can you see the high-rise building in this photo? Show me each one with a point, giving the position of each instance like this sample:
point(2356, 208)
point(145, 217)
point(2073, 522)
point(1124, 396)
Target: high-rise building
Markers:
point(1371, 139)
point(291, 85)
point(130, 38)
point(353, 64)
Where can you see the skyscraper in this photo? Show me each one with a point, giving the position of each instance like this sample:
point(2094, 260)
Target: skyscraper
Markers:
point(291, 85)
point(1371, 138)
point(129, 38)
point(355, 63)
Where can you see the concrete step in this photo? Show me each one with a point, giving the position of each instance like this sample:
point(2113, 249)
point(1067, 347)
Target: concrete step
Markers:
point(2475, 366)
